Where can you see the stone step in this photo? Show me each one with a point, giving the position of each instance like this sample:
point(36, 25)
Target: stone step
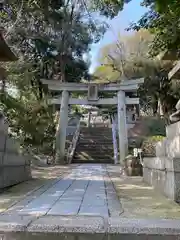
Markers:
point(101, 140)
point(94, 149)
point(95, 137)
point(84, 227)
point(95, 157)
point(94, 161)
point(96, 134)
point(94, 144)
point(94, 153)
point(96, 129)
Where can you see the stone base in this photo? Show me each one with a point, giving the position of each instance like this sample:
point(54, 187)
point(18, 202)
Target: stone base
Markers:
point(86, 228)
point(132, 167)
point(163, 174)
point(12, 175)
point(14, 167)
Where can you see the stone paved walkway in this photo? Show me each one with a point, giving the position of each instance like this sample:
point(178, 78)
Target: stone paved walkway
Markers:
point(74, 202)
point(87, 190)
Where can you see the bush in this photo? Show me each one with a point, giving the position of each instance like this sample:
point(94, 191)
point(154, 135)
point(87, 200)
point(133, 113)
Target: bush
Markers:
point(157, 127)
point(149, 145)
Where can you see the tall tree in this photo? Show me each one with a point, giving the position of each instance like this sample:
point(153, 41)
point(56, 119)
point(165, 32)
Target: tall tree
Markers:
point(163, 21)
point(50, 38)
point(129, 58)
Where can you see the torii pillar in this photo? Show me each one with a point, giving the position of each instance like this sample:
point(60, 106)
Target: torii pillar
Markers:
point(122, 127)
point(61, 132)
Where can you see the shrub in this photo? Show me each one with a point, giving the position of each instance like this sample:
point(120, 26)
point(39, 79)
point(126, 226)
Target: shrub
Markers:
point(149, 145)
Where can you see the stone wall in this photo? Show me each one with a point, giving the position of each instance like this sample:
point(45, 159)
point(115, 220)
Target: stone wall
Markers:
point(163, 171)
point(14, 167)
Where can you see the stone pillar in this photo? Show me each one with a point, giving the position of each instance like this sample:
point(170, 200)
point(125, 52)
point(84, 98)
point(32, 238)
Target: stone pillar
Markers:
point(89, 118)
point(122, 126)
point(63, 123)
point(115, 147)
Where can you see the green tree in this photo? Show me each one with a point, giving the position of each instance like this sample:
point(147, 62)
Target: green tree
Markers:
point(50, 38)
point(163, 21)
point(130, 59)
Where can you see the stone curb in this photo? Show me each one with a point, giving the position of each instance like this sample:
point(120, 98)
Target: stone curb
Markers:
point(44, 225)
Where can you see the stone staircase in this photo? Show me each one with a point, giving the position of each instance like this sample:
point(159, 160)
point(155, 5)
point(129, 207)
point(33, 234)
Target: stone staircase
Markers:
point(95, 145)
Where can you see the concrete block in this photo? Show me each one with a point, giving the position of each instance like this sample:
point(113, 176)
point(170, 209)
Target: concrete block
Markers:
point(13, 159)
point(155, 178)
point(1, 179)
point(13, 175)
point(27, 172)
point(44, 236)
point(12, 223)
point(12, 145)
point(158, 179)
point(169, 186)
point(1, 158)
point(173, 147)
point(143, 228)
point(147, 175)
point(173, 130)
point(2, 142)
point(177, 186)
point(172, 164)
point(167, 180)
point(161, 148)
point(68, 224)
point(154, 162)
point(4, 128)
point(27, 159)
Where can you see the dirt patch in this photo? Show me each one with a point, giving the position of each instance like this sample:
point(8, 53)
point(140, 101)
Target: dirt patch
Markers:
point(139, 200)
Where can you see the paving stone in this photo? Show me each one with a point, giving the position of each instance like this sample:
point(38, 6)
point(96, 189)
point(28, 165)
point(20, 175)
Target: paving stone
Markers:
point(71, 198)
point(43, 203)
point(33, 195)
point(143, 226)
point(94, 210)
point(65, 208)
point(114, 207)
point(13, 223)
point(95, 202)
point(82, 191)
point(68, 224)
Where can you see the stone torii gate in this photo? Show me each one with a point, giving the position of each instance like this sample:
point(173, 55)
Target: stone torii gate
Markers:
point(92, 99)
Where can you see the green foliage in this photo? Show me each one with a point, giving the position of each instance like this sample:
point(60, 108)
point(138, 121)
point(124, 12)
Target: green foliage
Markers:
point(163, 21)
point(128, 58)
point(50, 38)
point(30, 118)
point(156, 127)
point(149, 145)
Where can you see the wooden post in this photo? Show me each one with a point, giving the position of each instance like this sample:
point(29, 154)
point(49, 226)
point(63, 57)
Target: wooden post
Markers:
point(122, 126)
point(63, 123)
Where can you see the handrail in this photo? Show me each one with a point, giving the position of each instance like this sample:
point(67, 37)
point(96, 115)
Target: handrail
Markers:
point(72, 147)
